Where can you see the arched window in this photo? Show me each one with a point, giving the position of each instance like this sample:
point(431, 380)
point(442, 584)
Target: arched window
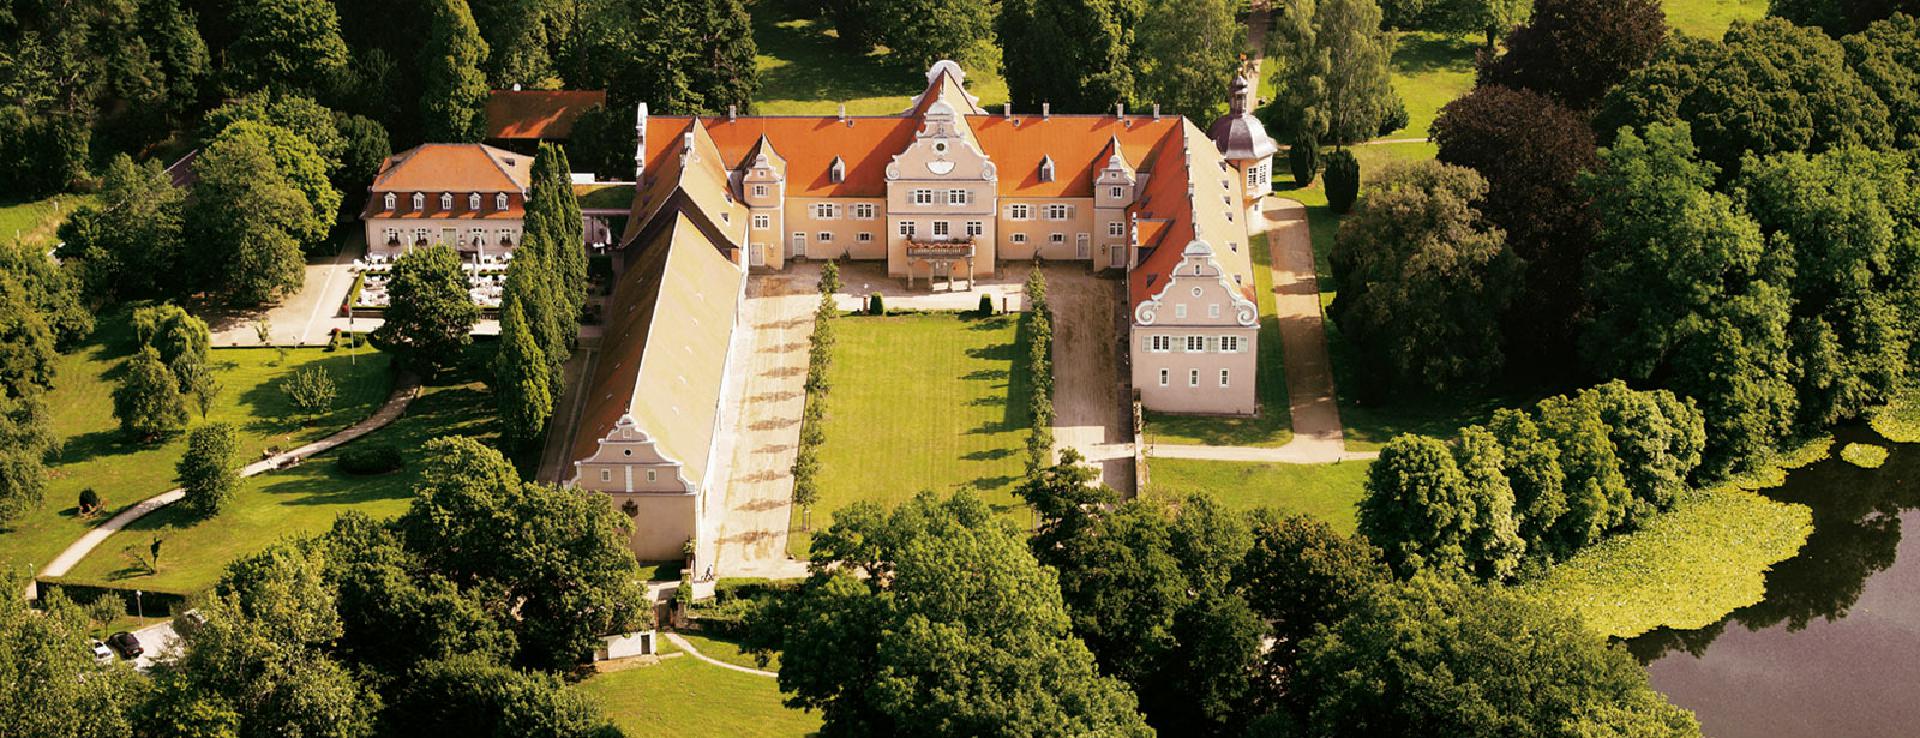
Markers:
point(446, 201)
point(390, 200)
point(419, 201)
point(473, 201)
point(500, 201)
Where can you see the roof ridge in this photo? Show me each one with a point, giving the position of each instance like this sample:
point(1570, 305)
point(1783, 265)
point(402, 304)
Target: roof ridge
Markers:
point(488, 150)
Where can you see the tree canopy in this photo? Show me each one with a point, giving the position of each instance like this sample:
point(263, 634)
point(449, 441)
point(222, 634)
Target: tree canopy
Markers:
point(430, 321)
point(1575, 50)
point(1072, 53)
point(1329, 71)
point(452, 106)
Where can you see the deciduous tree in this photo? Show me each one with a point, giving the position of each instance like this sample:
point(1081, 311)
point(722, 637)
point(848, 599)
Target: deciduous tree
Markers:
point(455, 90)
point(1573, 51)
point(54, 686)
point(131, 243)
point(1887, 57)
point(148, 402)
point(1072, 53)
point(249, 217)
point(1330, 72)
point(311, 390)
point(430, 321)
point(1186, 53)
point(468, 695)
point(1416, 507)
point(678, 57)
point(293, 43)
point(207, 469)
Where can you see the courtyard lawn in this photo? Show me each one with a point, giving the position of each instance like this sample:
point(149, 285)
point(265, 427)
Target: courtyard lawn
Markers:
point(1327, 492)
point(1274, 425)
point(936, 401)
point(683, 696)
point(805, 70)
point(95, 454)
point(294, 502)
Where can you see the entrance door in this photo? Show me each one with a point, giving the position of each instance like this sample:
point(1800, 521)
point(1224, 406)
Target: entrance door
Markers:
point(799, 244)
point(757, 255)
point(1080, 248)
point(1116, 257)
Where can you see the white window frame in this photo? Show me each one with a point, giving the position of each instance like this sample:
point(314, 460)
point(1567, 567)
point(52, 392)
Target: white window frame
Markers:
point(825, 211)
point(391, 201)
point(1017, 238)
point(419, 201)
point(907, 229)
point(606, 475)
point(864, 237)
point(824, 237)
point(1020, 211)
point(1196, 344)
point(1059, 211)
point(759, 190)
point(1213, 311)
point(922, 197)
point(942, 228)
point(1159, 344)
point(863, 211)
point(1116, 229)
point(1118, 192)
point(473, 201)
point(1253, 181)
point(762, 222)
point(1224, 373)
point(446, 201)
point(1166, 377)
point(1193, 377)
point(1229, 344)
point(1179, 311)
point(976, 228)
point(500, 201)
point(959, 197)
point(1057, 239)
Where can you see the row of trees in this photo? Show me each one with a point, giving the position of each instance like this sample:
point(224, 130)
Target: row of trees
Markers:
point(938, 619)
point(431, 623)
point(1039, 328)
point(39, 314)
point(813, 418)
point(545, 292)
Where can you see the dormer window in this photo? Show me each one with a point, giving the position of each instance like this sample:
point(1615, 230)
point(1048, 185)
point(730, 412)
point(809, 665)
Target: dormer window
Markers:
point(446, 201)
point(1046, 169)
point(419, 201)
point(391, 200)
point(500, 201)
point(473, 201)
point(837, 173)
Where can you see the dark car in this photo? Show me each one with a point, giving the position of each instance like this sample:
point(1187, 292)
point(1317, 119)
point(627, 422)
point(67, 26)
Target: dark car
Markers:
point(127, 645)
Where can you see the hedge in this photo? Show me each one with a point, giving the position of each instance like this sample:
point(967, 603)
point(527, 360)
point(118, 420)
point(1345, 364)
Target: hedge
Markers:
point(1039, 323)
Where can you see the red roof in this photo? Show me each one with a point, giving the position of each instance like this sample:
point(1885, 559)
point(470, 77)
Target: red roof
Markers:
point(1075, 142)
point(808, 144)
point(538, 114)
point(454, 168)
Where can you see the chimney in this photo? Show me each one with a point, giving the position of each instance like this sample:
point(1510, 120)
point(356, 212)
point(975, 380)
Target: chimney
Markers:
point(1006, 109)
point(640, 144)
point(733, 111)
point(1119, 110)
point(843, 111)
point(1046, 109)
point(1156, 111)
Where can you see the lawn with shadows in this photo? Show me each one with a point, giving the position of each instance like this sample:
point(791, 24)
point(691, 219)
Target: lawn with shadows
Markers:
point(1327, 492)
point(936, 401)
point(294, 502)
point(683, 696)
point(1710, 18)
point(94, 453)
point(35, 220)
point(1274, 425)
point(805, 70)
point(1430, 70)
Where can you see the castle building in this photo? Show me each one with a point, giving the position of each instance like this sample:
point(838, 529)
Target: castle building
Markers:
point(470, 196)
point(943, 191)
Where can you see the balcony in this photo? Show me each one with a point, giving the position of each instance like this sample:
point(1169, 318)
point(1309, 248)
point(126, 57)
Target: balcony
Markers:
point(956, 248)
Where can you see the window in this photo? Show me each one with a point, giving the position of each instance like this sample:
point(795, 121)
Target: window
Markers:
point(1118, 192)
point(446, 201)
point(1159, 344)
point(837, 172)
point(863, 211)
point(1020, 211)
point(1163, 377)
point(390, 200)
point(923, 197)
point(477, 236)
point(762, 222)
point(473, 201)
point(940, 228)
point(1233, 246)
point(1193, 377)
point(1229, 344)
point(606, 475)
point(1179, 311)
point(1213, 311)
point(906, 228)
point(864, 237)
point(1057, 239)
point(1046, 169)
point(419, 201)
point(500, 201)
point(957, 197)
point(392, 234)
point(1116, 229)
point(1223, 377)
point(506, 237)
point(420, 235)
point(1058, 211)
point(976, 228)
point(826, 237)
point(1196, 344)
point(1253, 183)
point(759, 190)
point(825, 211)
point(1018, 238)
point(651, 475)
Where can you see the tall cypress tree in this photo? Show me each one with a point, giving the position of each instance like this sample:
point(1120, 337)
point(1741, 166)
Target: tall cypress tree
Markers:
point(521, 385)
point(456, 91)
point(554, 214)
point(530, 290)
point(571, 261)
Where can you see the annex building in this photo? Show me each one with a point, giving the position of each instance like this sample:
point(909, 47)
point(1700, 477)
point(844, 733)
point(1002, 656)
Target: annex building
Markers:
point(944, 191)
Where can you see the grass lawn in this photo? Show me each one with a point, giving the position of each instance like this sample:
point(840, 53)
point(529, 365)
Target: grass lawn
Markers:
point(293, 502)
point(935, 401)
point(685, 697)
point(727, 650)
point(1274, 426)
point(1429, 70)
point(805, 70)
point(95, 454)
point(1710, 17)
point(1328, 492)
point(35, 220)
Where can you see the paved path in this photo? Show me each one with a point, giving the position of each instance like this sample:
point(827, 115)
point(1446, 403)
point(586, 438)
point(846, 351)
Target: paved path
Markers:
point(564, 427)
point(760, 432)
point(682, 644)
point(1090, 414)
point(396, 405)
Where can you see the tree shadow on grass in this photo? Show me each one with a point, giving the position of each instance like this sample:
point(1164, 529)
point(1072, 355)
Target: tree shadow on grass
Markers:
point(1423, 53)
point(100, 444)
point(819, 67)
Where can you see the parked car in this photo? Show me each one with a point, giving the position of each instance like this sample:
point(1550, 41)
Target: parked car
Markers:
point(126, 644)
point(101, 653)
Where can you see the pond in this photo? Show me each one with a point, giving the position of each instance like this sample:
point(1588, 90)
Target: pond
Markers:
point(1834, 649)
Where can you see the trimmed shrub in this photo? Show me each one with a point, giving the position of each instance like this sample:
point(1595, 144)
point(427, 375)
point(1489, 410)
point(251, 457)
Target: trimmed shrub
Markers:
point(876, 305)
point(375, 459)
point(1864, 455)
point(1304, 159)
point(89, 500)
point(986, 305)
point(1394, 115)
point(1343, 181)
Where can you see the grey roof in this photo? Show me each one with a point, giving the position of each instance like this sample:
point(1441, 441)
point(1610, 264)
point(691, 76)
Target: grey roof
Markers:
point(1241, 138)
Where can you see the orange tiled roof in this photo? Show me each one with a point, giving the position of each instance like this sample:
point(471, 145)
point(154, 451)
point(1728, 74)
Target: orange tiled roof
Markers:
point(1189, 158)
point(1075, 142)
point(454, 168)
point(547, 114)
point(403, 207)
point(809, 144)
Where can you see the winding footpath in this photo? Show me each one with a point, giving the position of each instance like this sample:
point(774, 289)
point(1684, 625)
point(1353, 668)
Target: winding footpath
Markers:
point(403, 394)
point(682, 644)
